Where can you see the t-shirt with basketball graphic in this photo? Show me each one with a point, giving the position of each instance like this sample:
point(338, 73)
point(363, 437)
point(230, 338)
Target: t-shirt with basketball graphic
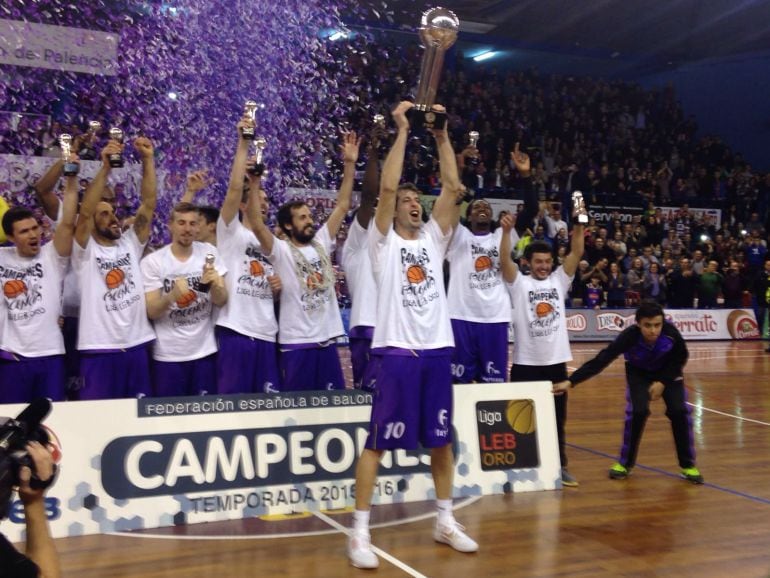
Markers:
point(249, 309)
point(412, 310)
point(539, 319)
point(31, 302)
point(309, 309)
point(358, 273)
point(113, 314)
point(186, 330)
point(476, 288)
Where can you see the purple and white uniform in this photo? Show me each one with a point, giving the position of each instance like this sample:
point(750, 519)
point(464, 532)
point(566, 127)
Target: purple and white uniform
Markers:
point(412, 343)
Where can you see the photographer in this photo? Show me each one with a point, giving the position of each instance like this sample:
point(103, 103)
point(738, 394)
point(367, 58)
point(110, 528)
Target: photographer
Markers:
point(41, 559)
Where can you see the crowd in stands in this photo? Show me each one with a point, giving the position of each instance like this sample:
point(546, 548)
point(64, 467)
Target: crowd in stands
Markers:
point(618, 143)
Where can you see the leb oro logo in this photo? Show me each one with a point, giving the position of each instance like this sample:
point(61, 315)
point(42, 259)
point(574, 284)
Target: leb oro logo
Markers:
point(14, 288)
point(741, 325)
point(521, 416)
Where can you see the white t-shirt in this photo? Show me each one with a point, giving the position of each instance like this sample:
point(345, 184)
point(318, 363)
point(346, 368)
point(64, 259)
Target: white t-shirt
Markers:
point(186, 331)
point(539, 319)
point(249, 309)
point(113, 314)
point(358, 273)
point(412, 310)
point(31, 302)
point(309, 314)
point(476, 287)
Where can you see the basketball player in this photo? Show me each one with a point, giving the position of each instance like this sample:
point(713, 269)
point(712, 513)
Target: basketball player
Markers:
point(246, 326)
point(655, 355)
point(412, 342)
point(479, 306)
point(114, 332)
point(181, 289)
point(31, 275)
point(310, 318)
point(541, 344)
point(358, 266)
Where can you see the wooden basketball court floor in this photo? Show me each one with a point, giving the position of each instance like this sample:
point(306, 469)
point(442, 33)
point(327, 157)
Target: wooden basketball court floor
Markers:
point(653, 524)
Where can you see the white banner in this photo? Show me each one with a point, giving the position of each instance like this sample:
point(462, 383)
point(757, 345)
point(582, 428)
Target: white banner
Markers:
point(132, 464)
point(58, 47)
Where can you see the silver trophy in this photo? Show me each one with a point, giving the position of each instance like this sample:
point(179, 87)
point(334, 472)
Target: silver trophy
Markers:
point(209, 264)
point(116, 159)
point(258, 168)
point(438, 32)
point(473, 141)
point(65, 144)
point(579, 210)
point(379, 121)
point(250, 111)
point(87, 151)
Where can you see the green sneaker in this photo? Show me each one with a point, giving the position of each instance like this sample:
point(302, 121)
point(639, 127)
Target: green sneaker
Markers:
point(619, 472)
point(692, 475)
point(567, 480)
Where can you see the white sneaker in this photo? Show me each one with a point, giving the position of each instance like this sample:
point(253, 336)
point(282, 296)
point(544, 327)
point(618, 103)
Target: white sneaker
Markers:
point(453, 535)
point(360, 551)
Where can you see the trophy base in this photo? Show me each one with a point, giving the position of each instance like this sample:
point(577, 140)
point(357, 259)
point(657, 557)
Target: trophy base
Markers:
point(116, 161)
point(582, 219)
point(428, 119)
point(256, 170)
point(71, 169)
point(248, 133)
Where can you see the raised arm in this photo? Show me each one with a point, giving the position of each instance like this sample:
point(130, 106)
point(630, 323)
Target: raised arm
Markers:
point(146, 210)
point(370, 183)
point(391, 170)
point(577, 247)
point(524, 219)
point(507, 266)
point(350, 145)
point(261, 230)
point(65, 229)
point(232, 202)
point(44, 188)
point(196, 182)
point(446, 210)
point(93, 195)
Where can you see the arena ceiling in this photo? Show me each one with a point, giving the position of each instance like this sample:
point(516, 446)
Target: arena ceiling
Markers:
point(647, 33)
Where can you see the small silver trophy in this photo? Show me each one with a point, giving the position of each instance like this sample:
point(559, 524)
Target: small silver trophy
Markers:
point(65, 143)
point(258, 168)
point(579, 208)
point(473, 141)
point(438, 32)
point(250, 111)
point(209, 264)
point(116, 159)
point(379, 121)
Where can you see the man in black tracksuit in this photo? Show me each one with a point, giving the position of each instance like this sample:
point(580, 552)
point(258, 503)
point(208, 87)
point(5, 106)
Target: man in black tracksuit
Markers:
point(655, 355)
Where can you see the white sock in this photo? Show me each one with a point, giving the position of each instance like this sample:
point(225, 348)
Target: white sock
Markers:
point(361, 521)
point(444, 510)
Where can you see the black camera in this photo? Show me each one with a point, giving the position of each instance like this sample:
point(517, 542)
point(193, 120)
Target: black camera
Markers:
point(15, 434)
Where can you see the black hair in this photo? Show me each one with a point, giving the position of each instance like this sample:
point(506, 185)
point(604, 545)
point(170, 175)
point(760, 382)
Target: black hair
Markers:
point(13, 215)
point(648, 309)
point(209, 214)
point(537, 247)
point(285, 214)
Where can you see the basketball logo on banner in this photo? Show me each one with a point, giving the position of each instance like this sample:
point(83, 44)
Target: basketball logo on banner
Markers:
point(507, 434)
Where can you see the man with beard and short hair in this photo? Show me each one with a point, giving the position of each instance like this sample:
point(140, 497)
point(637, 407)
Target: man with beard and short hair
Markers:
point(181, 289)
point(310, 318)
point(541, 347)
point(114, 333)
point(478, 304)
point(31, 275)
point(247, 325)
